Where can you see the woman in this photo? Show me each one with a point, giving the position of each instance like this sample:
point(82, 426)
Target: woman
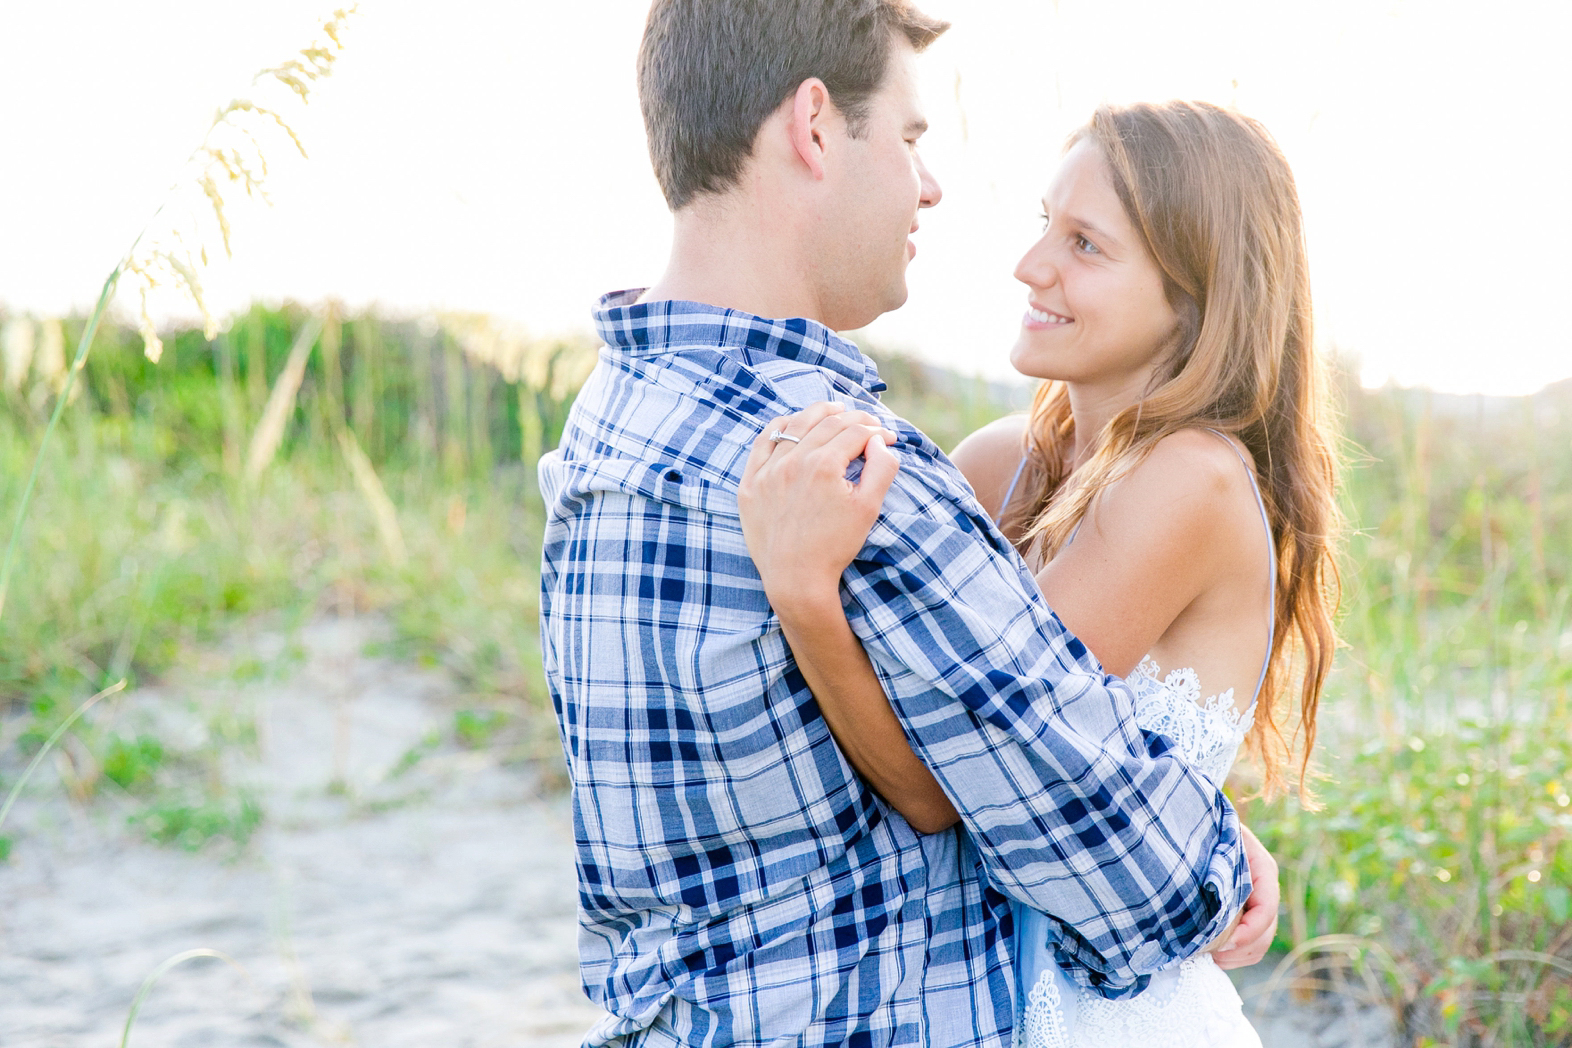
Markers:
point(1172, 486)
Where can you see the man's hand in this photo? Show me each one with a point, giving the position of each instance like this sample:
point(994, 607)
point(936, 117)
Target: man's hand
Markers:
point(1257, 926)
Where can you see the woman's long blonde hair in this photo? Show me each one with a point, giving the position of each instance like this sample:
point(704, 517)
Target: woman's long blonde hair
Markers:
point(1215, 202)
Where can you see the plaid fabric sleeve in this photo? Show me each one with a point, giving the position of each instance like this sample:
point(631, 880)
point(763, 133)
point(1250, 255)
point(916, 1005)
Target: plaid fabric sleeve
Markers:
point(1135, 858)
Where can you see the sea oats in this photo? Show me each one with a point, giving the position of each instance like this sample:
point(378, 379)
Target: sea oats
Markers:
point(50, 362)
point(172, 247)
point(388, 530)
point(542, 365)
point(231, 162)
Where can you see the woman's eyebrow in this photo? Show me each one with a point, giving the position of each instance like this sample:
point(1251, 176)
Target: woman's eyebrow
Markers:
point(1081, 223)
point(1093, 229)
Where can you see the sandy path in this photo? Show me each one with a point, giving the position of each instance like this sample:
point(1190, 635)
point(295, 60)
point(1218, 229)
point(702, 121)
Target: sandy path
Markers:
point(431, 908)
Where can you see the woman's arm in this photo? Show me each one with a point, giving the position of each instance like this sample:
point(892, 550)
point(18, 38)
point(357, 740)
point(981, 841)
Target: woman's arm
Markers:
point(802, 580)
point(855, 707)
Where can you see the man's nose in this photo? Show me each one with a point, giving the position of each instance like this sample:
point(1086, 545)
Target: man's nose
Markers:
point(931, 193)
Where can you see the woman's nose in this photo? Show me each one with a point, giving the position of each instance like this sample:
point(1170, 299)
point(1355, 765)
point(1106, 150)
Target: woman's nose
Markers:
point(1037, 268)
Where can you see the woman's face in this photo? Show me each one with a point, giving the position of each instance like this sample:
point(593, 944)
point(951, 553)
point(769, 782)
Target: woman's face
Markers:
point(1096, 312)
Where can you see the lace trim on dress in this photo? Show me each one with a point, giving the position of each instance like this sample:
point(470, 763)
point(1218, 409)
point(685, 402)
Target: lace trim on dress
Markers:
point(1203, 1009)
point(1043, 1024)
point(1207, 732)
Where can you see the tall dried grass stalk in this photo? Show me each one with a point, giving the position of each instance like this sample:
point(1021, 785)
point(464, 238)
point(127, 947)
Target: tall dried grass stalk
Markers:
point(49, 363)
point(16, 350)
point(230, 162)
point(370, 485)
point(269, 433)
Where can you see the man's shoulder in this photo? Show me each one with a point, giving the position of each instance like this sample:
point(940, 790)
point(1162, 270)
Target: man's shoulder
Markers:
point(675, 426)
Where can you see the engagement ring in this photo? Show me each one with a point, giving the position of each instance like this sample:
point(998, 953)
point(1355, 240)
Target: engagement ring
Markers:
point(780, 435)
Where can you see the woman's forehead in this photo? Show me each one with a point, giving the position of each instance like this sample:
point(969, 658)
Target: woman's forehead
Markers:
point(1083, 184)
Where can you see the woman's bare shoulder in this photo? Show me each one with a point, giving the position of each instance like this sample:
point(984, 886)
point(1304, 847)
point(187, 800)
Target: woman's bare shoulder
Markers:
point(989, 458)
point(1199, 480)
point(1200, 459)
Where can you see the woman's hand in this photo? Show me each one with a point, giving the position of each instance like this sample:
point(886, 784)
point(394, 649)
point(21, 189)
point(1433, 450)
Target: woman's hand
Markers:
point(804, 522)
point(1256, 927)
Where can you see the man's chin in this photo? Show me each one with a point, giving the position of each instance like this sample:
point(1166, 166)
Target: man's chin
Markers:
point(863, 316)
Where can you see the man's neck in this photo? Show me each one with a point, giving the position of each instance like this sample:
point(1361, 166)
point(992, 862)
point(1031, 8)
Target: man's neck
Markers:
point(733, 253)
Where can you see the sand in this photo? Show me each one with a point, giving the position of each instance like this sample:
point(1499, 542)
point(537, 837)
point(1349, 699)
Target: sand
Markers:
point(434, 908)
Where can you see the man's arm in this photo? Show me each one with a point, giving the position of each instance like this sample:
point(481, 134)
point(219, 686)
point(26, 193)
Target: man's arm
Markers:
point(1135, 856)
point(803, 580)
point(854, 706)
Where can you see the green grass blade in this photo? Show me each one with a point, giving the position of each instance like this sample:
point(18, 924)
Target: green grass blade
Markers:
point(49, 744)
point(158, 973)
point(64, 397)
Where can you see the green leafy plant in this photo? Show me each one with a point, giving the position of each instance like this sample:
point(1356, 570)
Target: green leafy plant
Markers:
point(475, 728)
point(191, 825)
point(131, 763)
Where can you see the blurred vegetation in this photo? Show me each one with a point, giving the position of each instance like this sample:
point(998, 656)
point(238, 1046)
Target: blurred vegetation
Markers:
point(1435, 880)
point(400, 480)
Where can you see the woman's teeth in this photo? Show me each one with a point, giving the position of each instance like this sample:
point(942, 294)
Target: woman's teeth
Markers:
point(1046, 318)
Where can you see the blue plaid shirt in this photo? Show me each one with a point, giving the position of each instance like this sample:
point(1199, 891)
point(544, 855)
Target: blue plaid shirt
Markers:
point(738, 883)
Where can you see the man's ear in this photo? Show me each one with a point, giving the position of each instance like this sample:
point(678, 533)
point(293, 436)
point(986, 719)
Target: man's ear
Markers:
point(811, 113)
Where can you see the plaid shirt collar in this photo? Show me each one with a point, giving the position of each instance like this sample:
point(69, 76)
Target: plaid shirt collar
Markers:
point(637, 328)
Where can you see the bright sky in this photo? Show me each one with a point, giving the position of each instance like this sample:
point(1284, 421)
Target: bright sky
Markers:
point(488, 155)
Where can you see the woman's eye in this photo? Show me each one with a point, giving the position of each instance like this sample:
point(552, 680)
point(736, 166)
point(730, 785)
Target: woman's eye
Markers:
point(1085, 245)
point(1044, 217)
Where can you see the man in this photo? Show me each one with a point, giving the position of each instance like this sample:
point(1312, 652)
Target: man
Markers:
point(739, 884)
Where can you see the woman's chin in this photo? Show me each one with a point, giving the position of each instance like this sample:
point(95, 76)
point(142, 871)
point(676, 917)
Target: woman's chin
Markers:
point(1029, 359)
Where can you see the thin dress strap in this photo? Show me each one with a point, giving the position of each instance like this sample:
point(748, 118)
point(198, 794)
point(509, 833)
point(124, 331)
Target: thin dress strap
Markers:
point(1010, 492)
point(1271, 550)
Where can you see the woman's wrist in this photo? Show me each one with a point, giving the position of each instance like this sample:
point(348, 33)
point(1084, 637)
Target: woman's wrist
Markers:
point(806, 600)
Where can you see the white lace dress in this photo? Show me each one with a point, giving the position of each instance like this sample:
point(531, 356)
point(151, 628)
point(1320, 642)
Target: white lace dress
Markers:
point(1194, 1003)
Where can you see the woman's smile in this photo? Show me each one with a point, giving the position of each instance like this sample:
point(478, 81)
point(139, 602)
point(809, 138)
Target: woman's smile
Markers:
point(1039, 319)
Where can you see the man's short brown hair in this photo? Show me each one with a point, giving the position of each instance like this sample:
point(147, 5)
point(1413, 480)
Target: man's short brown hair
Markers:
point(712, 71)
